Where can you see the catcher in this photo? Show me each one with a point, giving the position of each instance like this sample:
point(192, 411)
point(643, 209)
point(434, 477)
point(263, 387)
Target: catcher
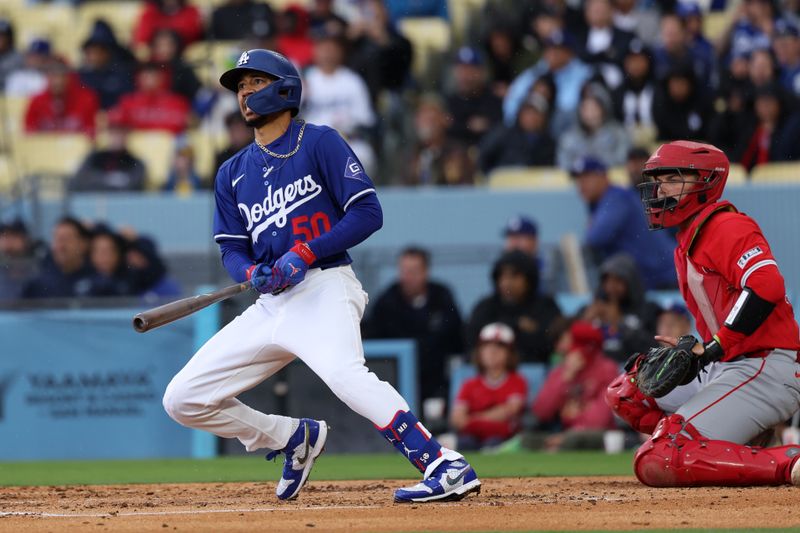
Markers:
point(704, 401)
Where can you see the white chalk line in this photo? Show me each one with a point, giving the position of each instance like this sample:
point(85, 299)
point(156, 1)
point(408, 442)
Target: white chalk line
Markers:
point(36, 514)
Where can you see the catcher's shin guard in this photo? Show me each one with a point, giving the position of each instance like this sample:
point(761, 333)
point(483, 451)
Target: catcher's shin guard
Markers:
point(676, 455)
point(627, 401)
point(410, 437)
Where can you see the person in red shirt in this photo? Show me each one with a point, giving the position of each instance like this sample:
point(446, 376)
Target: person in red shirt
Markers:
point(488, 408)
point(750, 378)
point(168, 14)
point(65, 106)
point(574, 391)
point(152, 106)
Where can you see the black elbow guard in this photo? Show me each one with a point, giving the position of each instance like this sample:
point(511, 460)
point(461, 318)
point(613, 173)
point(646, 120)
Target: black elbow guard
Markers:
point(749, 312)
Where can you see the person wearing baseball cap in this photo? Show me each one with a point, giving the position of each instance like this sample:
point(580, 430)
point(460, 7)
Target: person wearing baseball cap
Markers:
point(616, 224)
point(473, 107)
point(569, 73)
point(497, 388)
point(521, 233)
point(786, 45)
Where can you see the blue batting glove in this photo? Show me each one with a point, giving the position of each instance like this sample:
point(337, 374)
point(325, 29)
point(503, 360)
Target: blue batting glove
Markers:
point(268, 283)
point(290, 269)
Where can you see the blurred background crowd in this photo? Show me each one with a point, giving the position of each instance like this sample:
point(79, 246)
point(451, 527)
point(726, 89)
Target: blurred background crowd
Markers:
point(122, 96)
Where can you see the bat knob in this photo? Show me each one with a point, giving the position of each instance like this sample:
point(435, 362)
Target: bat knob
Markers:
point(140, 323)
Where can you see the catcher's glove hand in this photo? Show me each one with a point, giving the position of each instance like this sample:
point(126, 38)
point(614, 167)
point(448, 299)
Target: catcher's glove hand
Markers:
point(662, 369)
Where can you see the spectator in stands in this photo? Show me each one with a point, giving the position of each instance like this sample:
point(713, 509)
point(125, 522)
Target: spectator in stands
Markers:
point(65, 272)
point(152, 106)
point(107, 255)
point(378, 52)
point(165, 50)
point(506, 57)
point(17, 258)
point(183, 178)
point(112, 168)
point(516, 302)
point(488, 408)
point(773, 136)
point(763, 68)
point(786, 46)
point(634, 98)
point(522, 233)
point(569, 74)
point(733, 120)
point(418, 308)
point(335, 95)
point(596, 132)
point(528, 143)
point(617, 224)
point(752, 28)
point(10, 59)
point(293, 39)
point(178, 15)
point(674, 321)
point(634, 165)
point(473, 108)
point(680, 109)
point(65, 106)
point(633, 17)
point(29, 78)
point(103, 70)
point(619, 309)
point(147, 271)
point(234, 20)
point(677, 51)
point(602, 44)
point(435, 159)
point(573, 395)
point(323, 18)
point(239, 136)
point(692, 17)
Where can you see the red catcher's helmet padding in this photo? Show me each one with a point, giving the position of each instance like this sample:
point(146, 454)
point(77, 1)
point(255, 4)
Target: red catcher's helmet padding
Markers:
point(682, 157)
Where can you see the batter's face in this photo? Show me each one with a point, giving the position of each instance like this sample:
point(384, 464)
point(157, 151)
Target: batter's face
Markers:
point(250, 83)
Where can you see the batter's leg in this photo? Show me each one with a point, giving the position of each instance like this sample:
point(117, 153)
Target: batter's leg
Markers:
point(239, 357)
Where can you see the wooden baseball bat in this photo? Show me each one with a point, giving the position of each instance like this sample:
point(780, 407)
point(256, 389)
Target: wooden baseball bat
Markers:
point(164, 314)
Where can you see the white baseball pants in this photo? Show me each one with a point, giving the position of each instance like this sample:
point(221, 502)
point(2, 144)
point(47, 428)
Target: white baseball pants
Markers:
point(317, 321)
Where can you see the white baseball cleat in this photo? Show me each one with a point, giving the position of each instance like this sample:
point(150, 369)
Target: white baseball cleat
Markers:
point(450, 481)
point(303, 448)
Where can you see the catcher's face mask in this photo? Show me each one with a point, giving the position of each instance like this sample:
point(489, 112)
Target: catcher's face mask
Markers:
point(666, 192)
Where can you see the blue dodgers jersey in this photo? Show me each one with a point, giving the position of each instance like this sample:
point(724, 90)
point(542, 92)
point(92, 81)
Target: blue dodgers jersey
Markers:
point(274, 203)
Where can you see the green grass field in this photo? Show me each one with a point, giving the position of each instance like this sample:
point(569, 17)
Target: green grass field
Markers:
point(329, 467)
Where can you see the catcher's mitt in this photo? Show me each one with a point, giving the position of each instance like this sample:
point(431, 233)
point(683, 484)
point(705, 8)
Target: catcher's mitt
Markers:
point(662, 369)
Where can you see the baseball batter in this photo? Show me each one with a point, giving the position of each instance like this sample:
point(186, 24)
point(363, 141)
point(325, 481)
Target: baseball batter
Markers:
point(288, 207)
point(745, 377)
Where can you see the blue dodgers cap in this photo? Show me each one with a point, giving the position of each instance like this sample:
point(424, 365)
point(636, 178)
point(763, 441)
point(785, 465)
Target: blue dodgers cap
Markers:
point(39, 46)
point(585, 164)
point(786, 28)
point(467, 55)
point(521, 225)
point(677, 309)
point(688, 9)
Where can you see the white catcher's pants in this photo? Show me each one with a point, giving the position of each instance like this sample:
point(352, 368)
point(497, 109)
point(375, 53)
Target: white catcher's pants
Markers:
point(317, 321)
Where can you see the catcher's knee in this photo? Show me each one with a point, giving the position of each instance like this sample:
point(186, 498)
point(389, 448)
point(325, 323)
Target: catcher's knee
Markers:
point(659, 461)
point(626, 400)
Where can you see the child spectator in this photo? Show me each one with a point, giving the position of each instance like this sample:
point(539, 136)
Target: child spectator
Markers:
point(488, 408)
point(573, 395)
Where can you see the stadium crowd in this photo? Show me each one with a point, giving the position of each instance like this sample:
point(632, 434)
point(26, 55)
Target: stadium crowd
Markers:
point(583, 86)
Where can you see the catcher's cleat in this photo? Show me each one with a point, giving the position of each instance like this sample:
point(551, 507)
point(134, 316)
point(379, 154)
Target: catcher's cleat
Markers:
point(303, 448)
point(450, 481)
point(795, 475)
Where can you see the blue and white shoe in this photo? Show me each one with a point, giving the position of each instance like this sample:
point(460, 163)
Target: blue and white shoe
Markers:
point(303, 448)
point(450, 481)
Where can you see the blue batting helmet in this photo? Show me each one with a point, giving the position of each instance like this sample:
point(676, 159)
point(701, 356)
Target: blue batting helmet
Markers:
point(283, 93)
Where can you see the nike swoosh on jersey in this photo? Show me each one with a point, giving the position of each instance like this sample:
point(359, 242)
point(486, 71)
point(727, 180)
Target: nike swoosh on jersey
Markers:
point(234, 182)
point(302, 461)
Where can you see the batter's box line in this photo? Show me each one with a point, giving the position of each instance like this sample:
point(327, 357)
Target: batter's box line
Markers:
point(279, 509)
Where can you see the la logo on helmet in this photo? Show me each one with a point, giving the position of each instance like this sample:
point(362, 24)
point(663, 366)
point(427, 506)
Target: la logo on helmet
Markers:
point(243, 59)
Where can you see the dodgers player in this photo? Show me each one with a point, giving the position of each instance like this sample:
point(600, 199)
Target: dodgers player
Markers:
point(733, 288)
point(288, 206)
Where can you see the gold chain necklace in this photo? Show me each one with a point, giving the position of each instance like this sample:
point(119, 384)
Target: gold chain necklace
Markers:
point(290, 154)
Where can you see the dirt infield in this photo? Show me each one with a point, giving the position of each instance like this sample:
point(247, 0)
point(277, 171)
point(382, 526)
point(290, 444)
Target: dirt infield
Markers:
point(504, 504)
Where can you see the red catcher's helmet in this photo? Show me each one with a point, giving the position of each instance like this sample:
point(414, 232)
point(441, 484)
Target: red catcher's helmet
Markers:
point(707, 162)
